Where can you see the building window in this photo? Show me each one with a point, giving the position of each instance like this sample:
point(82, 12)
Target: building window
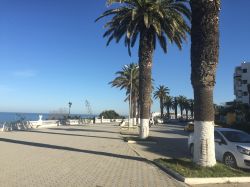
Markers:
point(245, 93)
point(244, 81)
point(244, 70)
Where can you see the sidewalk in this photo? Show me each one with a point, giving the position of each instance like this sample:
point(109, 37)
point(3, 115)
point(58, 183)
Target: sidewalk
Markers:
point(93, 155)
point(171, 139)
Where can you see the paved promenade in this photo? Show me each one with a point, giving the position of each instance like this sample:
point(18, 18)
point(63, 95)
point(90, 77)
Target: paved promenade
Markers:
point(172, 143)
point(92, 155)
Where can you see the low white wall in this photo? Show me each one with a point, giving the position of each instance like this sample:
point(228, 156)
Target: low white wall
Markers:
point(79, 121)
point(86, 121)
point(99, 120)
point(43, 123)
point(73, 122)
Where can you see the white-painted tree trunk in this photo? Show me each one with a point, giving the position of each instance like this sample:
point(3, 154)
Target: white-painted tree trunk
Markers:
point(144, 129)
point(134, 121)
point(204, 149)
point(130, 122)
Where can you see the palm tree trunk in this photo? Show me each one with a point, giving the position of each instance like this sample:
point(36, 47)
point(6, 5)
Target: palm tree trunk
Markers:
point(161, 107)
point(175, 112)
point(204, 59)
point(134, 101)
point(181, 109)
point(138, 111)
point(145, 68)
point(175, 107)
point(186, 114)
point(168, 112)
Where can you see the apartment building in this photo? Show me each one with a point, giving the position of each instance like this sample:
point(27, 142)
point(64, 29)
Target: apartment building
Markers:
point(242, 82)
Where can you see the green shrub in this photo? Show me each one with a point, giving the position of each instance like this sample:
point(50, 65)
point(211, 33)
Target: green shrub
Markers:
point(110, 114)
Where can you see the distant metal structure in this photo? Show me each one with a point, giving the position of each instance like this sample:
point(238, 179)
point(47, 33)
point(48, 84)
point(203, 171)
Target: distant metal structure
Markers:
point(88, 108)
point(70, 104)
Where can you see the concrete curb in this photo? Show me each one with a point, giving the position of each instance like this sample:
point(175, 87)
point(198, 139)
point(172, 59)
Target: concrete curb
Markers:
point(217, 180)
point(141, 142)
point(210, 180)
point(170, 172)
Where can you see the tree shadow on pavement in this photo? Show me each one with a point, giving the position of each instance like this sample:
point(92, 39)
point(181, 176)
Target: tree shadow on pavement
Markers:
point(49, 146)
point(173, 131)
point(83, 130)
point(67, 134)
point(167, 147)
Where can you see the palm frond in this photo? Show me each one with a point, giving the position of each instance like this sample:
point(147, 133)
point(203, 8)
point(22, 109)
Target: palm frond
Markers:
point(164, 19)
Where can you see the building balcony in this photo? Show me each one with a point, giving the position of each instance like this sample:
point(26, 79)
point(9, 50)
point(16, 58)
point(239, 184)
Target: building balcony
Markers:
point(236, 75)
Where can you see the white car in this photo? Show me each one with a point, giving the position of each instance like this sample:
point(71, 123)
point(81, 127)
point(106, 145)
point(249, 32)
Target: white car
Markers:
point(232, 147)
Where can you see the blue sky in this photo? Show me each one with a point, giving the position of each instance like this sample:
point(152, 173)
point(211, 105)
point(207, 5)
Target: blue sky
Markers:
point(52, 52)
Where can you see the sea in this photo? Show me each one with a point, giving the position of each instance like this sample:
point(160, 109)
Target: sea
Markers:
point(15, 116)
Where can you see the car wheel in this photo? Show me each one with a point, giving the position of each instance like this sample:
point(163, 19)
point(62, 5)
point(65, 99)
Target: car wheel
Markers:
point(230, 160)
point(191, 150)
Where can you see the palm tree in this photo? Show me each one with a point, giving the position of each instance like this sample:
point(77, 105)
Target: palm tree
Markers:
point(181, 102)
point(204, 60)
point(161, 93)
point(175, 107)
point(168, 103)
point(186, 106)
point(70, 104)
point(126, 78)
point(150, 20)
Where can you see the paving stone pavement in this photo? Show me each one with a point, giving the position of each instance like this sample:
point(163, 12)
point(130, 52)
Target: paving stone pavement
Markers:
point(172, 142)
point(92, 155)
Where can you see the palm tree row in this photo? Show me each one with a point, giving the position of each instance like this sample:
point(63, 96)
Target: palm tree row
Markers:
point(128, 79)
point(164, 20)
point(168, 102)
point(161, 93)
point(129, 75)
point(182, 102)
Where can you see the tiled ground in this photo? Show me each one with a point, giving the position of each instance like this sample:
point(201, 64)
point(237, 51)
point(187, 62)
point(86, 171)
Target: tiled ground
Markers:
point(75, 156)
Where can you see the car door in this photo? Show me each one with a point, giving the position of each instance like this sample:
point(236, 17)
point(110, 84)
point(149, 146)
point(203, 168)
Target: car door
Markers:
point(220, 147)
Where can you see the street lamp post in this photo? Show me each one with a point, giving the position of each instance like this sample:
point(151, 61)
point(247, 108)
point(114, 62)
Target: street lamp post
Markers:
point(69, 107)
point(130, 95)
point(130, 99)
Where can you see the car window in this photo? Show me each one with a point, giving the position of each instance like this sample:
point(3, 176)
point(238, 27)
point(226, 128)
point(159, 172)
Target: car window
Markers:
point(217, 136)
point(236, 136)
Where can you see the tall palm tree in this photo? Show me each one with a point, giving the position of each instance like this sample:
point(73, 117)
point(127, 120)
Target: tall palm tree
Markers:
point(186, 106)
point(168, 103)
point(175, 107)
point(126, 78)
point(204, 60)
point(161, 93)
point(181, 102)
point(150, 20)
